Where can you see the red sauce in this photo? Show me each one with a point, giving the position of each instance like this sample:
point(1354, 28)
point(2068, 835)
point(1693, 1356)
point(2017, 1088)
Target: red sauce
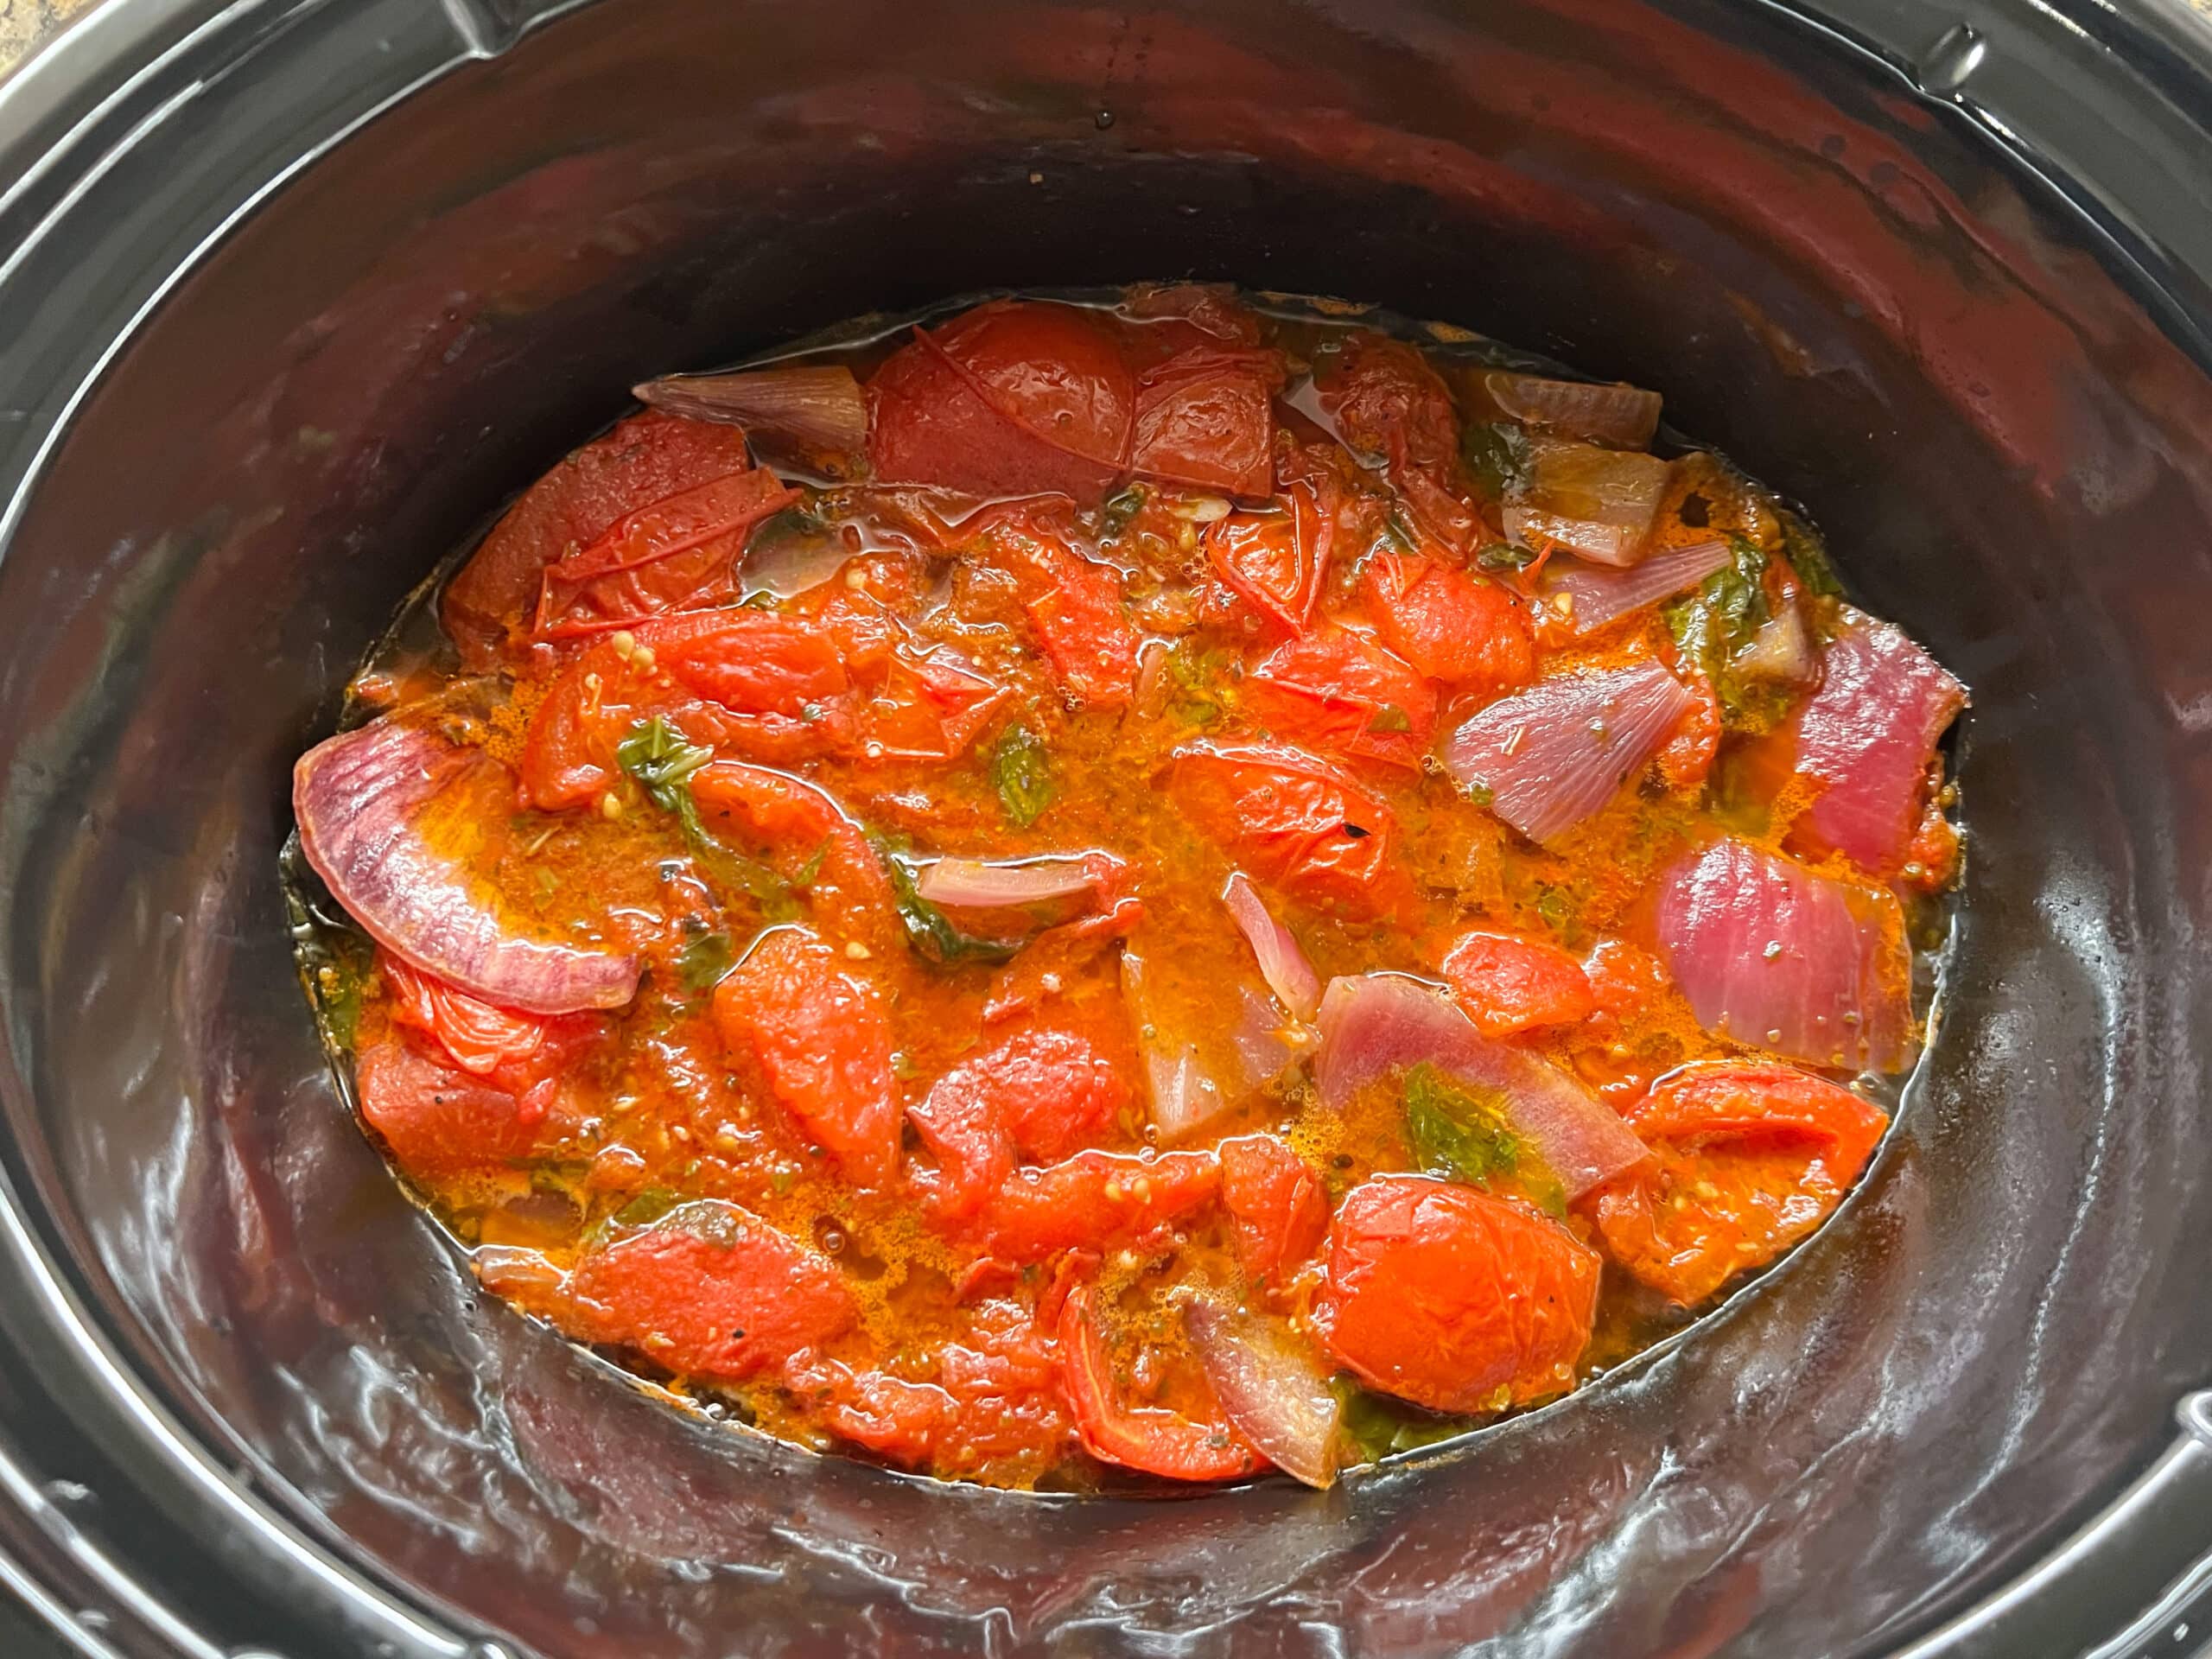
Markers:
point(905, 734)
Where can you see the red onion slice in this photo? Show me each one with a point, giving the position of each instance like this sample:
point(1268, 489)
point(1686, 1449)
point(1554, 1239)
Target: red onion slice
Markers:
point(1375, 1024)
point(1182, 1096)
point(1867, 736)
point(1585, 597)
point(360, 797)
point(1610, 412)
point(971, 884)
point(817, 407)
point(1773, 956)
point(1270, 1385)
point(1599, 503)
point(1283, 964)
point(1559, 751)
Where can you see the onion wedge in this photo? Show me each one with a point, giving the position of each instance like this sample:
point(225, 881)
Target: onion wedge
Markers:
point(971, 884)
point(1282, 964)
point(1585, 597)
point(816, 407)
point(1602, 503)
point(360, 798)
point(1270, 1385)
point(1605, 411)
point(1557, 752)
point(1375, 1024)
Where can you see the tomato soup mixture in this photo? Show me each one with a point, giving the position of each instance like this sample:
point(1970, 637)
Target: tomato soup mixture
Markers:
point(1162, 887)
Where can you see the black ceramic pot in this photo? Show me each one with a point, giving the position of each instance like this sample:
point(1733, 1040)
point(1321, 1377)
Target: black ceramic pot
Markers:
point(293, 295)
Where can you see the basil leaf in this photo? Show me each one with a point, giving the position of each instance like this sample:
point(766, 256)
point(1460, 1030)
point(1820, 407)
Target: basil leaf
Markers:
point(1391, 718)
point(1808, 556)
point(930, 931)
point(1377, 1425)
point(1021, 771)
point(1457, 1132)
point(662, 760)
point(705, 961)
point(1497, 457)
point(1719, 619)
point(648, 1207)
point(1502, 555)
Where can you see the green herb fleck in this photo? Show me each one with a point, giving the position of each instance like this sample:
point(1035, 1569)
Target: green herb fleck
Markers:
point(930, 931)
point(1808, 556)
point(1560, 913)
point(1396, 527)
point(810, 872)
point(1457, 1131)
point(1504, 556)
point(1711, 625)
point(1497, 457)
point(1391, 718)
point(1379, 1424)
point(662, 760)
point(1121, 507)
point(783, 1179)
point(1021, 771)
point(703, 962)
point(648, 1207)
point(1481, 794)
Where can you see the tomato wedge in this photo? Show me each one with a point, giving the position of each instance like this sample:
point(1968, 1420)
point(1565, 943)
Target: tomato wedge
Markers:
point(1144, 1438)
point(1276, 1209)
point(822, 1041)
point(1751, 1157)
point(1095, 1199)
point(1275, 560)
point(1336, 689)
point(1449, 625)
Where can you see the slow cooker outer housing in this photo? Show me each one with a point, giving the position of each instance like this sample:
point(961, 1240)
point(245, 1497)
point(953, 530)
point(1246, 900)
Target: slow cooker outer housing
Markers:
point(293, 295)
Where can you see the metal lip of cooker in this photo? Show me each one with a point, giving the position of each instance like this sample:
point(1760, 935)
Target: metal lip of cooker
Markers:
point(2111, 110)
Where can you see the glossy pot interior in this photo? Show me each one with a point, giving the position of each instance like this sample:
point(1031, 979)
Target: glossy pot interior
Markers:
point(1837, 282)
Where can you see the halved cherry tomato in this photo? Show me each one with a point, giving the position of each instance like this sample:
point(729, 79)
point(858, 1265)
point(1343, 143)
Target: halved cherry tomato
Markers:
point(1297, 824)
point(1336, 689)
point(1057, 370)
point(1095, 1199)
point(759, 662)
point(487, 606)
point(822, 1042)
point(1623, 977)
point(710, 1291)
point(1145, 1438)
point(1076, 611)
point(1275, 560)
point(1387, 401)
point(675, 554)
point(1275, 1207)
point(1508, 985)
point(1447, 624)
point(1751, 1157)
point(1457, 1301)
point(1042, 1093)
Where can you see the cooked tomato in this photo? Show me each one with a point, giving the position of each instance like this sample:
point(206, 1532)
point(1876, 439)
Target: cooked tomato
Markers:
point(1297, 824)
point(1095, 1199)
point(1335, 689)
point(1509, 984)
point(1274, 1204)
point(709, 1291)
point(1145, 1438)
point(980, 922)
point(1451, 627)
point(822, 1041)
point(1275, 560)
point(1453, 1299)
point(489, 606)
point(1751, 1157)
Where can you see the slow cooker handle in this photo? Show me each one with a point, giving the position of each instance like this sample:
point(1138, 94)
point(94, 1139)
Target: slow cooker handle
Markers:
point(2121, 1566)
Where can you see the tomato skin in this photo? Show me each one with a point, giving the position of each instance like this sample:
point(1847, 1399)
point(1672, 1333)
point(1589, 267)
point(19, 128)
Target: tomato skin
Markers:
point(1751, 1157)
point(1094, 1199)
point(1288, 818)
point(1624, 978)
point(1144, 1438)
point(1075, 608)
point(1387, 401)
point(1508, 985)
point(1336, 689)
point(437, 1119)
point(487, 606)
point(932, 708)
point(1276, 561)
point(476, 1036)
point(1453, 628)
point(709, 1291)
point(1457, 1301)
point(822, 1042)
point(1057, 370)
point(1040, 1093)
point(1275, 1207)
point(671, 554)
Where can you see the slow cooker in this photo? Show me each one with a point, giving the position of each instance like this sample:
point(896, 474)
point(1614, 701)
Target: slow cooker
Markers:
point(294, 293)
